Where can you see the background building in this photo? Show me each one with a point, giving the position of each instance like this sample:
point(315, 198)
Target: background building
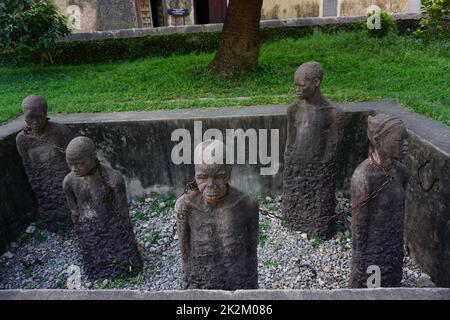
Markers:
point(93, 15)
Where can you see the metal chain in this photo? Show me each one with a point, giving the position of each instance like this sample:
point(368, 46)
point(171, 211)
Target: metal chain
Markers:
point(27, 131)
point(377, 192)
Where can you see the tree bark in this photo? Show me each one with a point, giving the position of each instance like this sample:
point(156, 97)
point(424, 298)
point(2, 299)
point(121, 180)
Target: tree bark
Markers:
point(239, 44)
point(42, 63)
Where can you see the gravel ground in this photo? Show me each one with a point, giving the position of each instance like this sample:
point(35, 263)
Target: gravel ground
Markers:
point(287, 260)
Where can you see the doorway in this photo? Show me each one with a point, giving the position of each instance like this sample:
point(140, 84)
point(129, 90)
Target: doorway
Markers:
point(201, 8)
point(210, 11)
point(157, 13)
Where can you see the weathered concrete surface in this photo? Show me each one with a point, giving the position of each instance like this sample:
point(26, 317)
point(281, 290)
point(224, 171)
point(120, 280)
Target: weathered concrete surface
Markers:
point(17, 202)
point(114, 33)
point(339, 294)
point(145, 159)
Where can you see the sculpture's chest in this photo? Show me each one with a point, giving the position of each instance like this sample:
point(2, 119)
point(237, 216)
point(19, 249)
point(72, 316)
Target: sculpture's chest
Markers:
point(216, 229)
point(41, 153)
point(91, 193)
point(313, 120)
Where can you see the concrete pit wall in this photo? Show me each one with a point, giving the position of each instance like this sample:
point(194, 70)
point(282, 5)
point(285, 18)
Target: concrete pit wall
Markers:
point(139, 145)
point(17, 202)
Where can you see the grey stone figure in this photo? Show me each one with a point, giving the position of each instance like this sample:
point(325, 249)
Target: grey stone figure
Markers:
point(313, 145)
point(41, 146)
point(97, 200)
point(378, 204)
point(217, 227)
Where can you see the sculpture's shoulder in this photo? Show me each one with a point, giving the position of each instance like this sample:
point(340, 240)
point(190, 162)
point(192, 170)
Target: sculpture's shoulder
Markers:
point(68, 180)
point(60, 130)
point(335, 110)
point(241, 199)
point(186, 201)
point(115, 178)
point(362, 174)
point(21, 138)
point(59, 127)
point(292, 108)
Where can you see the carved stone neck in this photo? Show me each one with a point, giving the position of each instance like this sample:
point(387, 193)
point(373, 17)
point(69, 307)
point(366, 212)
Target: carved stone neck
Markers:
point(315, 100)
point(378, 160)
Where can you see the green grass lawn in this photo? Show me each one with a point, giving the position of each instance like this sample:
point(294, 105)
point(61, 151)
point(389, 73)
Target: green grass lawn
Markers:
point(356, 69)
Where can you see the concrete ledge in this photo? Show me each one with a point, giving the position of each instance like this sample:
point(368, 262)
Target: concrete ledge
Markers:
point(338, 294)
point(143, 32)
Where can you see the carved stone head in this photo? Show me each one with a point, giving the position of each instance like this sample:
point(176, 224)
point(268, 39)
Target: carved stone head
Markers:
point(308, 79)
point(35, 112)
point(388, 136)
point(211, 173)
point(81, 156)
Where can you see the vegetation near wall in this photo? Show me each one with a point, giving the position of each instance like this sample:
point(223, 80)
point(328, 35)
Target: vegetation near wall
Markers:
point(99, 51)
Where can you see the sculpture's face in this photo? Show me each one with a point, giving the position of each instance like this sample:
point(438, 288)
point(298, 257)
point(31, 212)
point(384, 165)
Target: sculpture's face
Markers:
point(82, 166)
point(36, 120)
point(394, 144)
point(212, 181)
point(304, 86)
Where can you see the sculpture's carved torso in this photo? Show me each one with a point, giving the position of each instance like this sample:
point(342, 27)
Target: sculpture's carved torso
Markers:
point(102, 223)
point(46, 168)
point(315, 135)
point(316, 131)
point(377, 227)
point(221, 243)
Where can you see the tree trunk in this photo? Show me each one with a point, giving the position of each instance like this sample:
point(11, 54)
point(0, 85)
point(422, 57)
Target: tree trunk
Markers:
point(42, 64)
point(239, 44)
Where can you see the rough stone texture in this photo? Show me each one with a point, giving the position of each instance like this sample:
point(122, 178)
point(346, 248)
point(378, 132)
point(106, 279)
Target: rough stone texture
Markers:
point(378, 204)
point(46, 168)
point(217, 226)
point(378, 228)
point(315, 129)
point(99, 210)
point(427, 220)
point(142, 32)
point(339, 294)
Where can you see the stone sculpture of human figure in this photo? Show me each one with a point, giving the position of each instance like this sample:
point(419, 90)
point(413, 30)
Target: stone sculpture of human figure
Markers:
point(41, 146)
point(314, 140)
point(217, 227)
point(98, 203)
point(378, 205)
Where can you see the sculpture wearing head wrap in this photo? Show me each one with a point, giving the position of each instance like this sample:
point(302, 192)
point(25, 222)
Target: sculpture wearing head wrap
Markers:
point(388, 138)
point(378, 205)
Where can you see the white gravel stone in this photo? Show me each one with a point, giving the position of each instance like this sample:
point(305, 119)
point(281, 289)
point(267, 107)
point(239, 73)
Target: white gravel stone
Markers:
point(8, 255)
point(30, 229)
point(285, 259)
